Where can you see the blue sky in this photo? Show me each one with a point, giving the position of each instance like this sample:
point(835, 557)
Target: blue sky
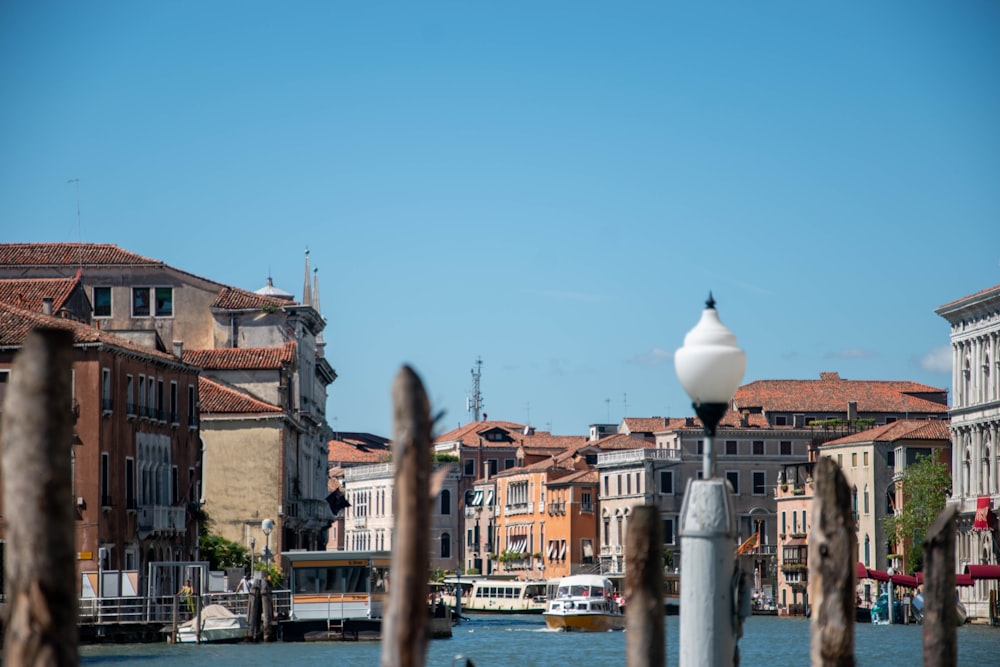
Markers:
point(552, 186)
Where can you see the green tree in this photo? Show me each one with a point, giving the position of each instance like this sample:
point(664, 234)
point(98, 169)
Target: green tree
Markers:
point(925, 486)
point(222, 553)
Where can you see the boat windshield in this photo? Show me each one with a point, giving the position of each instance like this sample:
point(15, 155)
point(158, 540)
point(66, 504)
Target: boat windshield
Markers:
point(577, 590)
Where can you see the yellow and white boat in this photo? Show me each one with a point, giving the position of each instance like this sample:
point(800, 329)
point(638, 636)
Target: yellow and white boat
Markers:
point(584, 603)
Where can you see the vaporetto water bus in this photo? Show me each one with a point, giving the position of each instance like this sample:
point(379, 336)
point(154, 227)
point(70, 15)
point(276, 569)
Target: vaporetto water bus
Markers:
point(495, 595)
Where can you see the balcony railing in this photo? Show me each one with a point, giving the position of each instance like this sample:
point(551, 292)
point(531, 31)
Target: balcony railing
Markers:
point(106, 404)
point(518, 508)
point(360, 521)
point(557, 508)
point(130, 409)
point(637, 456)
point(162, 519)
point(373, 471)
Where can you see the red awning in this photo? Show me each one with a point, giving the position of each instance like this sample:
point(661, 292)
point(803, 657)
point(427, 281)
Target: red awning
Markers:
point(964, 580)
point(862, 571)
point(878, 575)
point(984, 517)
point(983, 571)
point(960, 579)
point(904, 580)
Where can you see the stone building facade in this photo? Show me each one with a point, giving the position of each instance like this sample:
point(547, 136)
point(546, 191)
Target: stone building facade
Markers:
point(975, 436)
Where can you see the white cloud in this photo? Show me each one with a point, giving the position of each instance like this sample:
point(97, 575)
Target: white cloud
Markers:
point(937, 360)
point(654, 357)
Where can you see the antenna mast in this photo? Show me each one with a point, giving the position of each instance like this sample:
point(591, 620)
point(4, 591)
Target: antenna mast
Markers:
point(475, 402)
point(79, 228)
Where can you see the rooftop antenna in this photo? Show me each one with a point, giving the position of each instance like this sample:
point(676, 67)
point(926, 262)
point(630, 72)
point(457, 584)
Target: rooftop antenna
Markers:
point(79, 228)
point(625, 404)
point(607, 404)
point(474, 403)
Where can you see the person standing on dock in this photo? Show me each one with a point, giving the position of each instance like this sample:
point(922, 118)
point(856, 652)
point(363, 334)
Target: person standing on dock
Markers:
point(244, 585)
point(186, 593)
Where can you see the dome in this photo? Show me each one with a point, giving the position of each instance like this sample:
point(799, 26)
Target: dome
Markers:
point(270, 290)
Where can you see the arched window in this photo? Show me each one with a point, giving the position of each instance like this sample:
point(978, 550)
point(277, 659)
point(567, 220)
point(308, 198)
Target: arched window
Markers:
point(445, 545)
point(866, 499)
point(445, 501)
point(854, 499)
point(868, 551)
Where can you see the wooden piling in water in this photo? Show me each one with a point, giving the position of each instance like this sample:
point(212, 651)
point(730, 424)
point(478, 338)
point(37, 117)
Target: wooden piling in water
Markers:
point(645, 645)
point(940, 615)
point(832, 573)
point(404, 636)
point(42, 606)
point(267, 609)
point(254, 630)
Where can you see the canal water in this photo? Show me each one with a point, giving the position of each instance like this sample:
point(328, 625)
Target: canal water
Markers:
point(523, 641)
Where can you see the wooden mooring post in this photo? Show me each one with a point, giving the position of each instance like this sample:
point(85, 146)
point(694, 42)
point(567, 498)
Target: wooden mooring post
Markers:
point(645, 644)
point(404, 636)
point(42, 606)
point(833, 548)
point(940, 615)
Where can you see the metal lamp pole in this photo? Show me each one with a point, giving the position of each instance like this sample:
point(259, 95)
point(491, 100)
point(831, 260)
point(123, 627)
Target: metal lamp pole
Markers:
point(710, 367)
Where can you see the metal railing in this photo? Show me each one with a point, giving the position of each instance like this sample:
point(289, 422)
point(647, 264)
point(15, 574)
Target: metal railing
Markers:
point(637, 455)
point(160, 609)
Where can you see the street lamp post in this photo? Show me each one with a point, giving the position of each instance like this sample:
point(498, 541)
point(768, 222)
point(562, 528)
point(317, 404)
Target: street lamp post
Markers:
point(266, 526)
point(710, 367)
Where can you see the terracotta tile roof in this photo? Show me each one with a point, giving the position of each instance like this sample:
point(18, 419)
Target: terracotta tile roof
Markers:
point(469, 433)
point(578, 477)
point(218, 398)
point(352, 450)
point(242, 358)
point(621, 441)
point(234, 298)
point(16, 324)
point(970, 297)
point(832, 394)
point(644, 424)
point(27, 293)
point(904, 429)
point(69, 254)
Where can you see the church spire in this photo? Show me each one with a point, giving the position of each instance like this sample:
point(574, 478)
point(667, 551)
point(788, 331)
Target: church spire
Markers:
point(306, 287)
point(320, 343)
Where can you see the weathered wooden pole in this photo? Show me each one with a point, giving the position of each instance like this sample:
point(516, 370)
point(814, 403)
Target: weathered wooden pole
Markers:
point(645, 645)
point(404, 637)
point(267, 608)
point(833, 548)
point(940, 615)
point(42, 606)
point(253, 613)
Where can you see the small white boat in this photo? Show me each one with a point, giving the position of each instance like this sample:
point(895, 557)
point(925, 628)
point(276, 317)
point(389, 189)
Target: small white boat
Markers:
point(218, 624)
point(585, 603)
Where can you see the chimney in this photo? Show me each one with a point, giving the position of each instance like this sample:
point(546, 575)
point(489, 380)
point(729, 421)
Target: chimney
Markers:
point(47, 305)
point(852, 410)
point(486, 471)
point(179, 349)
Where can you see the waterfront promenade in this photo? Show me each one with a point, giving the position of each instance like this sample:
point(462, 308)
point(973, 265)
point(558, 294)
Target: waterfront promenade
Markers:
point(499, 641)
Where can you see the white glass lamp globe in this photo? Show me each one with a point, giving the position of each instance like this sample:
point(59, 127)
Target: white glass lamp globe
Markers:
point(267, 525)
point(710, 365)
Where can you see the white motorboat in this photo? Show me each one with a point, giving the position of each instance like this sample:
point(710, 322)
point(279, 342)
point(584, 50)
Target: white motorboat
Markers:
point(584, 602)
point(218, 624)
